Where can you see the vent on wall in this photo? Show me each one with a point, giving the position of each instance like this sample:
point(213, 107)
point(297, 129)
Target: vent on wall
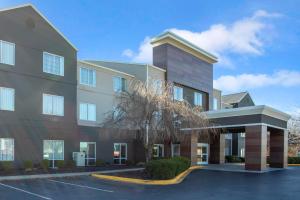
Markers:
point(30, 24)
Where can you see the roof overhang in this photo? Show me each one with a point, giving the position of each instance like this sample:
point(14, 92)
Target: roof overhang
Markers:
point(246, 116)
point(179, 42)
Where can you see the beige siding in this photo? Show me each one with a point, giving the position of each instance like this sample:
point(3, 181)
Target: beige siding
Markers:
point(102, 95)
point(155, 73)
point(218, 96)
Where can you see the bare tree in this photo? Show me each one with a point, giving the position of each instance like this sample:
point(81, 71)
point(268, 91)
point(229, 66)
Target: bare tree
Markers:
point(150, 109)
point(294, 134)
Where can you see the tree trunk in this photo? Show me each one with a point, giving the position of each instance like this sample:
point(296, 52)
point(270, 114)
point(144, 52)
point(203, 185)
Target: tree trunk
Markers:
point(148, 153)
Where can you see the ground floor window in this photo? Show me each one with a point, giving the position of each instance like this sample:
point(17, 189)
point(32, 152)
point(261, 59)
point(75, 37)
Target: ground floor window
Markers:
point(158, 150)
point(89, 149)
point(6, 149)
point(53, 150)
point(120, 153)
point(175, 150)
point(243, 152)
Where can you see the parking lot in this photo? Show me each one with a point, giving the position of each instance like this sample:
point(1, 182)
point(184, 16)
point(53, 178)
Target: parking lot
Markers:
point(200, 184)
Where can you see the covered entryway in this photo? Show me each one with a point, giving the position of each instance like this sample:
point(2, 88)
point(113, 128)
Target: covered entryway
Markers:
point(256, 122)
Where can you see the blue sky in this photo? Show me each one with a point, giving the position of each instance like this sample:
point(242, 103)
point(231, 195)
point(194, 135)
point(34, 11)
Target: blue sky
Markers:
point(257, 42)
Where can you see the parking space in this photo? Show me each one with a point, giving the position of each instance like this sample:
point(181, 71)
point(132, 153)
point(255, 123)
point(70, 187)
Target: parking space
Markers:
point(199, 184)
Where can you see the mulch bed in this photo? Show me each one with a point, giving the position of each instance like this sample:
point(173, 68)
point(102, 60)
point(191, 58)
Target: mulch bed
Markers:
point(140, 174)
point(57, 171)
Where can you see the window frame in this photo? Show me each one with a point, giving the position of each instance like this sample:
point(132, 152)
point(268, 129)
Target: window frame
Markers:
point(13, 53)
point(52, 102)
point(175, 87)
point(122, 80)
point(61, 68)
point(13, 97)
point(94, 77)
point(87, 111)
point(162, 152)
point(52, 145)
point(200, 99)
point(12, 150)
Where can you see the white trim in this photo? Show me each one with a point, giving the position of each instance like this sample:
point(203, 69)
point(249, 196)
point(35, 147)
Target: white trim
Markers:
point(36, 10)
point(106, 68)
point(232, 126)
point(250, 110)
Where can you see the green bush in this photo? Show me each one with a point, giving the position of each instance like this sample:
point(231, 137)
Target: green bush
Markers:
point(234, 159)
point(60, 164)
point(45, 164)
point(6, 166)
point(100, 163)
point(166, 168)
point(28, 165)
point(70, 164)
point(294, 160)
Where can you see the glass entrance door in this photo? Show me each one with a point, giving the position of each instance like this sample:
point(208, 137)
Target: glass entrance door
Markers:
point(120, 153)
point(89, 148)
point(202, 153)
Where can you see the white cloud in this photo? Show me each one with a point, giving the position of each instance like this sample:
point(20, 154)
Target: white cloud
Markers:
point(236, 83)
point(128, 53)
point(245, 37)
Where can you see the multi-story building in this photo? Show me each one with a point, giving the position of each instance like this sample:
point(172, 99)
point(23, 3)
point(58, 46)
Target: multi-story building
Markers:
point(52, 105)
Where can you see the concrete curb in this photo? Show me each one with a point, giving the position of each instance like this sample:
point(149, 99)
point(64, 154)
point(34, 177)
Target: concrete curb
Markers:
point(294, 165)
point(41, 176)
point(176, 180)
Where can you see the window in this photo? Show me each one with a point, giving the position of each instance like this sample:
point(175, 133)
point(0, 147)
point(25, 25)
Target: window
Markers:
point(243, 135)
point(89, 148)
point(120, 153)
point(53, 105)
point(87, 77)
point(178, 93)
point(158, 150)
point(197, 99)
point(87, 111)
point(175, 148)
point(158, 86)
point(7, 53)
point(243, 152)
point(7, 99)
point(53, 64)
point(6, 149)
point(119, 84)
point(215, 105)
point(53, 150)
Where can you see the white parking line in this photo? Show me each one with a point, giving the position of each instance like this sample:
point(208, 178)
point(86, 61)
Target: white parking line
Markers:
point(82, 186)
point(27, 192)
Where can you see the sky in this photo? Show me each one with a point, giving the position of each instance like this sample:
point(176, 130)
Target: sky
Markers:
point(257, 42)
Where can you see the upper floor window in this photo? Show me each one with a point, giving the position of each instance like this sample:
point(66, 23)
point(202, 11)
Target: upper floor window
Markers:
point(197, 99)
point(215, 105)
point(87, 111)
point(158, 86)
point(6, 149)
point(178, 93)
point(53, 64)
point(87, 77)
point(7, 99)
point(53, 105)
point(7, 53)
point(119, 84)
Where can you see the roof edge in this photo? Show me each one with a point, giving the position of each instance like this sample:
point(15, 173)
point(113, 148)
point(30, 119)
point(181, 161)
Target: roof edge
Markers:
point(39, 13)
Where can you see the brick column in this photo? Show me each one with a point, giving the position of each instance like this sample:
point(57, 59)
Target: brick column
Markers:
point(194, 141)
point(256, 148)
point(278, 148)
point(217, 149)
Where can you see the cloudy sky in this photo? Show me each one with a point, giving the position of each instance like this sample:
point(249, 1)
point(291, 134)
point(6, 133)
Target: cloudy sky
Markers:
point(257, 42)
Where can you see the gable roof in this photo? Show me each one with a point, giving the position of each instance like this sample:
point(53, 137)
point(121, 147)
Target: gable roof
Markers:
point(233, 98)
point(42, 16)
point(172, 38)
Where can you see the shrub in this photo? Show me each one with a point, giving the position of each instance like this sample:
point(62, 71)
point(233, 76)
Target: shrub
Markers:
point(167, 168)
point(70, 164)
point(28, 165)
point(45, 164)
point(294, 160)
point(7, 166)
point(60, 164)
point(100, 163)
point(234, 159)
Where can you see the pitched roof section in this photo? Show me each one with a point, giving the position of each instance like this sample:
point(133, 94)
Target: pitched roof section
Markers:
point(39, 13)
point(173, 39)
point(233, 98)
